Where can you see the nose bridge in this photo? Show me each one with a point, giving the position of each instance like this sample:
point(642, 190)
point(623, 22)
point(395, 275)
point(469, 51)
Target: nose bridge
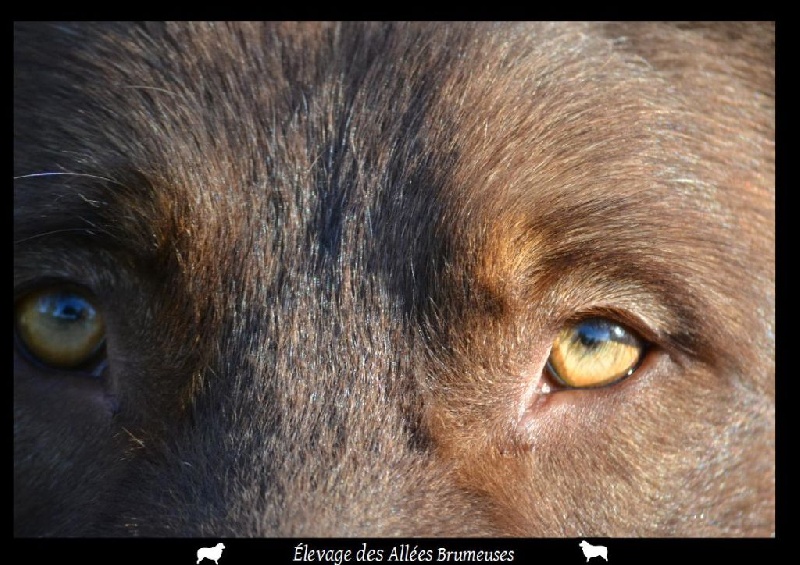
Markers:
point(336, 366)
point(313, 418)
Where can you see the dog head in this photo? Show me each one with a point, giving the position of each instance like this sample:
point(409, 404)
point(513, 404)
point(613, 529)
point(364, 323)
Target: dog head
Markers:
point(284, 279)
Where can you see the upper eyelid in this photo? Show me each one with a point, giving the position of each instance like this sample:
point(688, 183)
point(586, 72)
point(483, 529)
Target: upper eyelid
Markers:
point(661, 311)
point(631, 322)
point(23, 287)
point(93, 270)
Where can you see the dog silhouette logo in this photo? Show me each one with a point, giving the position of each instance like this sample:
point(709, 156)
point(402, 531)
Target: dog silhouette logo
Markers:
point(210, 553)
point(590, 550)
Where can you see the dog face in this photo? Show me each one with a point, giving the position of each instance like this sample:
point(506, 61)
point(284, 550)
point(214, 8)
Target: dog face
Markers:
point(358, 279)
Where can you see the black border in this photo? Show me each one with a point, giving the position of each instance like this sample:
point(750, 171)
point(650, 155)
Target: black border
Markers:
point(283, 551)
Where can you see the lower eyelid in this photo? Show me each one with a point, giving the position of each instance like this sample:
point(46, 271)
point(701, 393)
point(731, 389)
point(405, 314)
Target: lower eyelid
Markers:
point(550, 410)
point(94, 368)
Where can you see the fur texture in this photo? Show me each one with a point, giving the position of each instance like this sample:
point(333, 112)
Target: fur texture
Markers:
point(332, 260)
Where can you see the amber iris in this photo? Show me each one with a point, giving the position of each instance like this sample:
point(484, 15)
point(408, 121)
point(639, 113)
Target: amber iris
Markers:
point(595, 352)
point(60, 326)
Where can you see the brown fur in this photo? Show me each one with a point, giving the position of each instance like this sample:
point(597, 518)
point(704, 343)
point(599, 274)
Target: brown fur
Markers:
point(333, 259)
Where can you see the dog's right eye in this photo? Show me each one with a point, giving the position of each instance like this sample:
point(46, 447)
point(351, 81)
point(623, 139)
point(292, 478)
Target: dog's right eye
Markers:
point(60, 326)
point(595, 352)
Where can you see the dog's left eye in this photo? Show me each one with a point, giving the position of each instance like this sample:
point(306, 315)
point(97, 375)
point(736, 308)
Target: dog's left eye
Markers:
point(595, 352)
point(60, 326)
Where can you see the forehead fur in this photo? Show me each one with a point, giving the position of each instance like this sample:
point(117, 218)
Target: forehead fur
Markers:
point(534, 162)
point(524, 171)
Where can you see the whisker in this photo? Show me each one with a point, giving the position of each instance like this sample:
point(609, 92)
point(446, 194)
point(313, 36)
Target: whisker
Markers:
point(86, 175)
point(53, 232)
point(156, 88)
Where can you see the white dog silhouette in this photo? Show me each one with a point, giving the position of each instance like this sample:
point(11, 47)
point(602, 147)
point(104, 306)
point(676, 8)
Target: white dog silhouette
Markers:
point(210, 553)
point(590, 550)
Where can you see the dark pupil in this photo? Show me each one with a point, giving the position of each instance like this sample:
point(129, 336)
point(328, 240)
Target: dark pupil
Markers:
point(65, 307)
